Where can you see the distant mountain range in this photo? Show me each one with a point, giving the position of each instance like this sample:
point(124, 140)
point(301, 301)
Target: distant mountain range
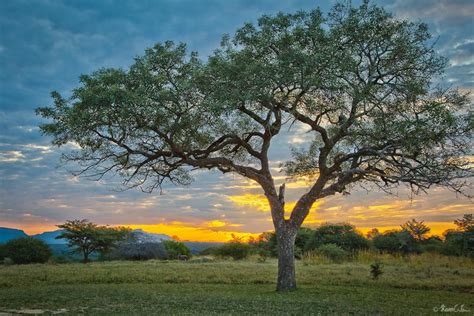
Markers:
point(10, 233)
point(50, 237)
point(59, 245)
point(7, 234)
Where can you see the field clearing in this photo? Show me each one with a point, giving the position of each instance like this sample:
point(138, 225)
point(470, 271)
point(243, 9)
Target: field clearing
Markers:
point(410, 286)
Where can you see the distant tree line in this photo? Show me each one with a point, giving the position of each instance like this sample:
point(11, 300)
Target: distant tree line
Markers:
point(86, 238)
point(335, 241)
point(343, 240)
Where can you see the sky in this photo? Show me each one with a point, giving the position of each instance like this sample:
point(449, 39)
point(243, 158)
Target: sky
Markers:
point(46, 45)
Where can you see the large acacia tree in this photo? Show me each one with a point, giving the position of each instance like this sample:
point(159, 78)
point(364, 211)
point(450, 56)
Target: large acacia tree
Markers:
point(358, 79)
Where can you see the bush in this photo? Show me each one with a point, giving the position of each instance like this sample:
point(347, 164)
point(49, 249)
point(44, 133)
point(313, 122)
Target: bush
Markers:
point(387, 242)
point(7, 261)
point(432, 244)
point(235, 250)
point(333, 252)
point(174, 249)
point(376, 269)
point(263, 255)
point(208, 251)
point(302, 237)
point(342, 235)
point(267, 243)
point(3, 252)
point(459, 243)
point(59, 259)
point(396, 242)
point(137, 251)
point(27, 250)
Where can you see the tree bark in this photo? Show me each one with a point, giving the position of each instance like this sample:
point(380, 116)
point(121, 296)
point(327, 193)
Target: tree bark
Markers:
point(286, 236)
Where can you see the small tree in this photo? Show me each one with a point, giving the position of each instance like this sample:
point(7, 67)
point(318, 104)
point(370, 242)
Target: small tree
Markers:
point(175, 249)
point(460, 242)
point(86, 237)
point(465, 224)
point(358, 79)
point(376, 270)
point(27, 250)
point(417, 229)
point(372, 233)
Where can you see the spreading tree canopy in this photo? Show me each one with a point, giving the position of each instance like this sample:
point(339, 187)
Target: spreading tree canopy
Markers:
point(86, 237)
point(418, 229)
point(360, 80)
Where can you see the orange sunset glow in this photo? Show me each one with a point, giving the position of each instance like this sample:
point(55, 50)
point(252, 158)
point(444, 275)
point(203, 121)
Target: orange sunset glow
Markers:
point(360, 209)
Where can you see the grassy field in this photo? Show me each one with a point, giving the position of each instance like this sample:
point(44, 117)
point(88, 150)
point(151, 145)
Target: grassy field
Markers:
point(417, 285)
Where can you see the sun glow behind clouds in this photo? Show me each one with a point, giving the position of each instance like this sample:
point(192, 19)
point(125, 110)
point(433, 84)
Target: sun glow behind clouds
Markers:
point(204, 232)
point(260, 203)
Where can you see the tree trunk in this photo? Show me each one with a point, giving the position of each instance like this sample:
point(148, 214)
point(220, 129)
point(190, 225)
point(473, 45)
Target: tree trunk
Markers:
point(86, 257)
point(286, 258)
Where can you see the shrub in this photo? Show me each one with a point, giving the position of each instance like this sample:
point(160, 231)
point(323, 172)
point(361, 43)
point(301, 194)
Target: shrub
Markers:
point(432, 244)
point(266, 242)
point(137, 251)
point(175, 249)
point(3, 252)
point(7, 261)
point(459, 243)
point(342, 235)
point(263, 255)
point(333, 252)
point(396, 242)
point(376, 270)
point(59, 259)
point(387, 242)
point(302, 237)
point(27, 250)
point(235, 250)
point(208, 251)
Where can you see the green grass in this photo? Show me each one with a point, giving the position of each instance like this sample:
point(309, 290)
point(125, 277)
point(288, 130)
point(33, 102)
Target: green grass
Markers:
point(409, 286)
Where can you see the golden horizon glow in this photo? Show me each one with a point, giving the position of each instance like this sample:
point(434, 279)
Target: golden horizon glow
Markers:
point(188, 232)
point(383, 215)
point(209, 231)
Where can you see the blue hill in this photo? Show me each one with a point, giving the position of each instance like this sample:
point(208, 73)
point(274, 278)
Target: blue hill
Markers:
point(50, 237)
point(59, 246)
point(7, 234)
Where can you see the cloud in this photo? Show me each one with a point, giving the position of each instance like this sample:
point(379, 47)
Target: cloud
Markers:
point(11, 156)
point(46, 45)
point(451, 24)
